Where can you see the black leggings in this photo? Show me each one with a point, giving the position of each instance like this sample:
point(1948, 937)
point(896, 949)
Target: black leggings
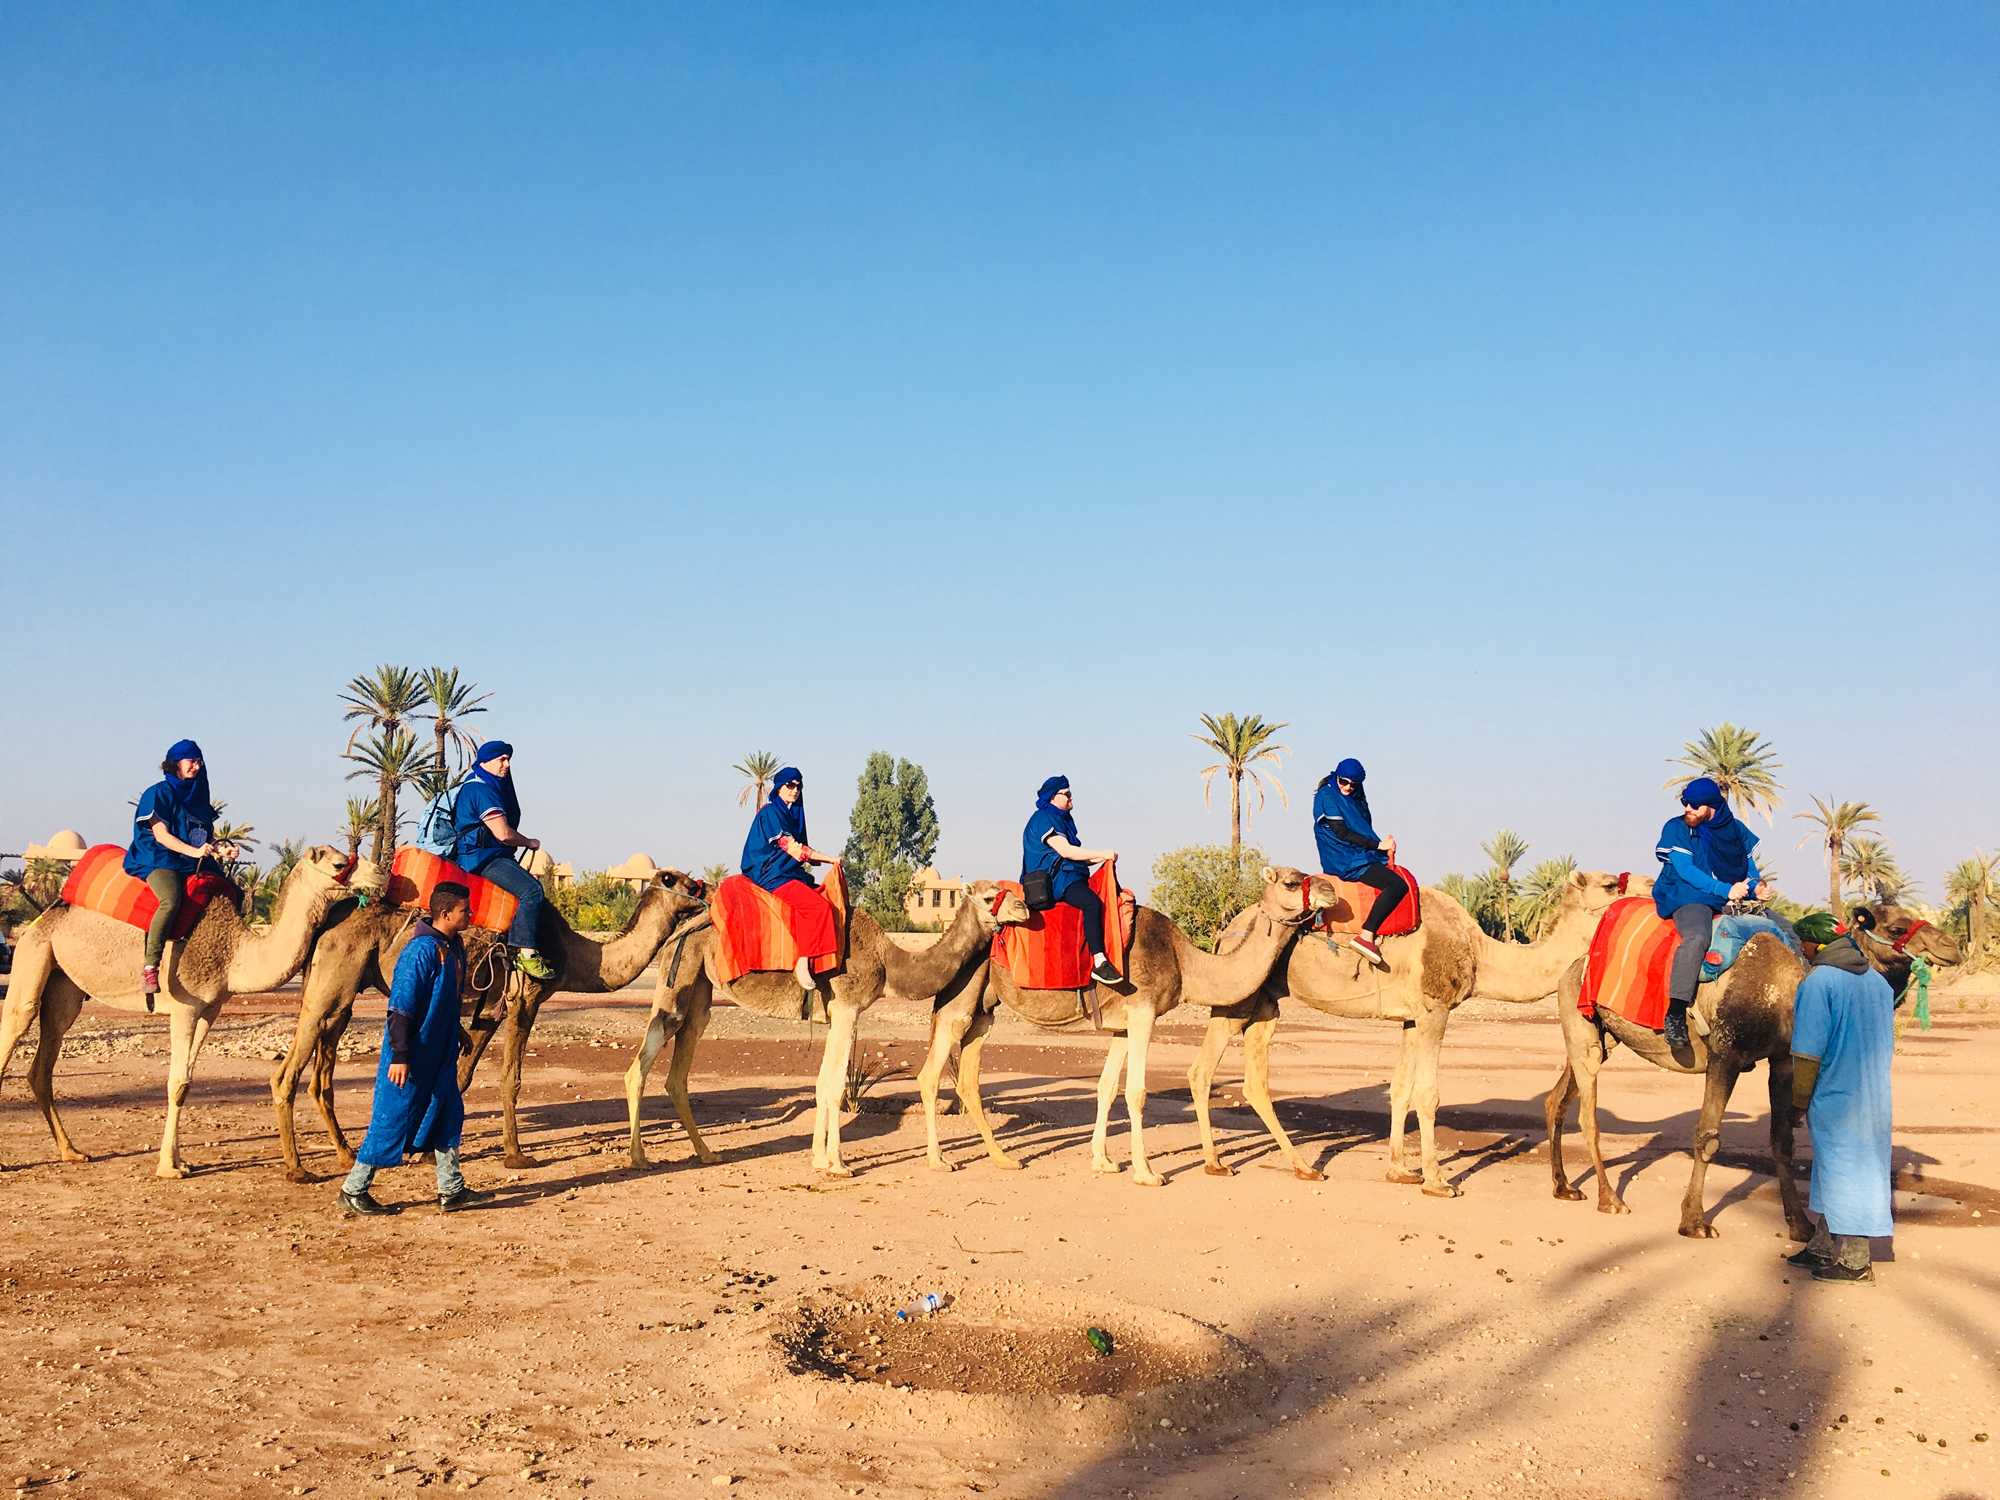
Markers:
point(1087, 901)
point(1393, 889)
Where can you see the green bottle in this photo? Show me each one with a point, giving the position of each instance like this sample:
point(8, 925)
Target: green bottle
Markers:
point(1099, 1340)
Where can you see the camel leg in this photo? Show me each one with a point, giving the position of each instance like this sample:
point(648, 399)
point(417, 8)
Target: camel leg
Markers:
point(304, 1059)
point(1139, 1038)
point(61, 1003)
point(320, 1084)
point(1781, 1147)
point(1257, 1088)
point(966, 1081)
point(1399, 1106)
point(1424, 1090)
point(949, 1024)
point(1554, 1108)
point(191, 1023)
point(34, 965)
point(1107, 1090)
point(659, 1031)
point(832, 1084)
point(1580, 1057)
point(513, 1052)
point(489, 1013)
point(1201, 1080)
point(1718, 1082)
point(685, 1042)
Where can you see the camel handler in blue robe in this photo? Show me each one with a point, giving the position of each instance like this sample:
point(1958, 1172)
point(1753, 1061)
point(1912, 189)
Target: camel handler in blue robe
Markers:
point(1706, 862)
point(417, 1103)
point(487, 819)
point(1843, 1040)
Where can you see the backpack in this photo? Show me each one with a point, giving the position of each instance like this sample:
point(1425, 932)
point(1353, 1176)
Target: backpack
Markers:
point(437, 831)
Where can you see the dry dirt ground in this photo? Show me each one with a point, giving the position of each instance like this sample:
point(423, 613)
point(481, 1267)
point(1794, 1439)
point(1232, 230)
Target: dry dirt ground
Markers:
point(730, 1329)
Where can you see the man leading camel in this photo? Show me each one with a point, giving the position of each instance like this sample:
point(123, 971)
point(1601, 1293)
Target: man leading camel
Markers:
point(1707, 863)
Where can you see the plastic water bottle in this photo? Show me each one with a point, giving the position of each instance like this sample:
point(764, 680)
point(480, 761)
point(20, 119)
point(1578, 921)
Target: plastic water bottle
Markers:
point(922, 1307)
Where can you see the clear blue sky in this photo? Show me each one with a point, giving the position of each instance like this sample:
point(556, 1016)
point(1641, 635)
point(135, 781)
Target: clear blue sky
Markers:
point(1497, 393)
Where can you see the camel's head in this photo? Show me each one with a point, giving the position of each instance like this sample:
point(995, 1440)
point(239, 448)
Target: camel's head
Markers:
point(1892, 933)
point(325, 866)
point(1290, 896)
point(690, 890)
point(1590, 891)
point(996, 906)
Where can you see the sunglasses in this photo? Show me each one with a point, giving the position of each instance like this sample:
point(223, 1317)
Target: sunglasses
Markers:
point(1343, 783)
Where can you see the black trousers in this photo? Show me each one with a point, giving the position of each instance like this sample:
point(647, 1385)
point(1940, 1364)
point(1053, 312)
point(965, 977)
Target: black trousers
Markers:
point(1393, 889)
point(1085, 900)
point(1696, 924)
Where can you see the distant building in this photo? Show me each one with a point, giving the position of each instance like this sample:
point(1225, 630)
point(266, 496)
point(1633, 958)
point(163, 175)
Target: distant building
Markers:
point(933, 899)
point(542, 867)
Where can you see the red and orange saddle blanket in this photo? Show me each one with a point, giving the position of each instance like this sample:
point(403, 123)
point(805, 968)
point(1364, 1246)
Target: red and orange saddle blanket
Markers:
point(415, 873)
point(1047, 952)
point(1348, 913)
point(753, 927)
point(1626, 970)
point(98, 883)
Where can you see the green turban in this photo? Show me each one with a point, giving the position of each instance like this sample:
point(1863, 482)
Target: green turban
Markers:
point(1817, 927)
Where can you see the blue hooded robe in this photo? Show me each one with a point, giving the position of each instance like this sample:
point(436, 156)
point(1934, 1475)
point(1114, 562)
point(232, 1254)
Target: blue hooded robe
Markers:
point(763, 860)
point(484, 793)
point(1332, 809)
point(1846, 1019)
point(1699, 865)
point(185, 808)
point(1035, 851)
point(427, 1111)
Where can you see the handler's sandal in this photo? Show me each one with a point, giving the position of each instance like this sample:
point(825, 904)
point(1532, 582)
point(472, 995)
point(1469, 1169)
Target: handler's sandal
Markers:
point(465, 1197)
point(1103, 973)
point(531, 963)
point(361, 1203)
point(1845, 1275)
point(1368, 951)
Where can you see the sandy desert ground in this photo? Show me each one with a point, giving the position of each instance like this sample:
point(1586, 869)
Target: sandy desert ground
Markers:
point(725, 1330)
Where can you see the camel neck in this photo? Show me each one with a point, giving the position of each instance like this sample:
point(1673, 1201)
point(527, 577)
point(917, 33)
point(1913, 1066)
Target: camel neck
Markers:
point(599, 967)
point(928, 971)
point(1221, 979)
point(1522, 973)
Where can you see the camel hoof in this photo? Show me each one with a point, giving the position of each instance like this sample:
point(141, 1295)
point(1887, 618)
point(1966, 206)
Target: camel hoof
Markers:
point(639, 1162)
point(1107, 1166)
point(1309, 1174)
point(1615, 1206)
point(939, 1164)
point(836, 1169)
point(519, 1161)
point(1441, 1190)
point(1009, 1164)
point(171, 1173)
point(707, 1158)
point(1569, 1194)
point(1148, 1179)
point(1398, 1175)
point(1217, 1169)
point(298, 1174)
point(74, 1155)
point(1701, 1231)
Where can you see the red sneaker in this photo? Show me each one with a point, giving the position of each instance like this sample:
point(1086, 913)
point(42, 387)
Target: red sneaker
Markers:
point(1369, 951)
point(149, 979)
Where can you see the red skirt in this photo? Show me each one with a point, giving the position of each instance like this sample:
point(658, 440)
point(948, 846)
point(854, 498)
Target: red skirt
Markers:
point(811, 920)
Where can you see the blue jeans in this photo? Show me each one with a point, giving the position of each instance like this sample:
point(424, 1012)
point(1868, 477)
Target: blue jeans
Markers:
point(528, 915)
point(450, 1179)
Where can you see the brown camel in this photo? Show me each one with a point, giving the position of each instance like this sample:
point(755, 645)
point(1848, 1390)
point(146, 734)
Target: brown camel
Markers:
point(70, 953)
point(1431, 971)
point(875, 966)
point(1163, 969)
point(362, 949)
point(1739, 1019)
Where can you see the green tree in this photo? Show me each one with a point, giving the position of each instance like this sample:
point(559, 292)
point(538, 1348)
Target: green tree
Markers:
point(1506, 849)
point(1834, 824)
point(363, 816)
point(286, 854)
point(1201, 887)
point(242, 835)
point(892, 833)
point(593, 902)
point(1738, 760)
point(448, 702)
point(1242, 744)
point(1541, 899)
point(1875, 874)
point(1970, 890)
point(382, 705)
point(1475, 894)
point(713, 876)
point(757, 769)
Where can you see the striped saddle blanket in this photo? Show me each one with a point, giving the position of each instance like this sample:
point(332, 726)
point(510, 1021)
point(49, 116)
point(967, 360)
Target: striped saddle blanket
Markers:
point(753, 927)
point(1348, 913)
point(98, 883)
point(1047, 952)
point(415, 873)
point(1633, 949)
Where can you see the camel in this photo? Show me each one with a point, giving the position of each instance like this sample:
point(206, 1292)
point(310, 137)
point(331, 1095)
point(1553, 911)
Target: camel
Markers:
point(70, 953)
point(360, 948)
point(1431, 971)
point(1739, 1019)
point(1163, 969)
point(685, 997)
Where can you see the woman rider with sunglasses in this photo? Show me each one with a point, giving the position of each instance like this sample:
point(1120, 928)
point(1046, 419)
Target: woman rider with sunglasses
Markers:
point(1351, 849)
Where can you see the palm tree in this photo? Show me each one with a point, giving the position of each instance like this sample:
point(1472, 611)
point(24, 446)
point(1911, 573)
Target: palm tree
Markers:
point(1542, 896)
point(1738, 761)
point(1506, 849)
point(363, 814)
point(1242, 744)
point(1973, 886)
point(447, 702)
point(394, 759)
point(1874, 871)
point(758, 767)
point(239, 834)
point(384, 702)
point(1836, 824)
point(1474, 893)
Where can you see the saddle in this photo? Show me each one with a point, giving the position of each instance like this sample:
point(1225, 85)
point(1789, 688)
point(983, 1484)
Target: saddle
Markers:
point(1351, 909)
point(416, 872)
point(98, 883)
point(753, 928)
point(1047, 952)
point(1632, 953)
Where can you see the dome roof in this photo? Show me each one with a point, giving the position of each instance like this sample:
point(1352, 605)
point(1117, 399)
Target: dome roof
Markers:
point(636, 867)
point(64, 844)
